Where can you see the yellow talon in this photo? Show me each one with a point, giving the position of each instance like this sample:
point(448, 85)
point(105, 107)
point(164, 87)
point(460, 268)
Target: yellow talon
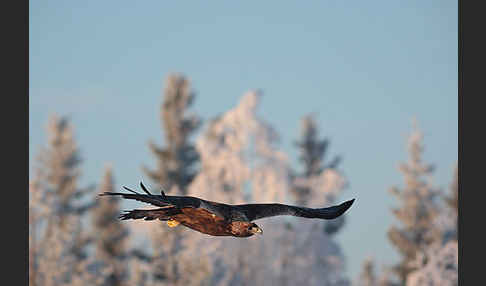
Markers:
point(172, 223)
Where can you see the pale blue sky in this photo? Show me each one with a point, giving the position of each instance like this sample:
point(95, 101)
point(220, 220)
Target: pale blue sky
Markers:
point(364, 67)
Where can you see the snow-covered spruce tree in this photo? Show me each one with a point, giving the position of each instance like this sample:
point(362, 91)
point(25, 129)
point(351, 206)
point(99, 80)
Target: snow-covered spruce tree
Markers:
point(240, 163)
point(233, 172)
point(60, 240)
point(110, 235)
point(38, 210)
point(446, 220)
point(312, 151)
point(176, 161)
point(418, 209)
point(175, 171)
point(438, 264)
point(317, 185)
point(60, 171)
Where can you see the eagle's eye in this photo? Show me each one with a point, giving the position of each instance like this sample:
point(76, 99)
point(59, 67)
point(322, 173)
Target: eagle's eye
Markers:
point(255, 229)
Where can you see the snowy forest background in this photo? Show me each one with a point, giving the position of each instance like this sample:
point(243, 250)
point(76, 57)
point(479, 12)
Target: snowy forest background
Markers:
point(349, 76)
point(75, 238)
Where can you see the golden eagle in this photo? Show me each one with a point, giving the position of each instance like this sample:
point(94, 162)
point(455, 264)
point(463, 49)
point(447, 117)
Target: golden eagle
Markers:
point(217, 219)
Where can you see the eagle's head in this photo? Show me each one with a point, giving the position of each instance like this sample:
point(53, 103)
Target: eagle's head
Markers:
point(253, 228)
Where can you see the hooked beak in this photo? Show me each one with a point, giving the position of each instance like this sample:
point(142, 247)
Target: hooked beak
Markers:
point(259, 231)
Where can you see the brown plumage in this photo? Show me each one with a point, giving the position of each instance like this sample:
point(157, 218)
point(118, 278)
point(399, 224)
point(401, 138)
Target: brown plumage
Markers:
point(218, 219)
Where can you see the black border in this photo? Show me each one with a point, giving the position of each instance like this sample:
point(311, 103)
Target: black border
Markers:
point(470, 88)
point(15, 205)
point(23, 70)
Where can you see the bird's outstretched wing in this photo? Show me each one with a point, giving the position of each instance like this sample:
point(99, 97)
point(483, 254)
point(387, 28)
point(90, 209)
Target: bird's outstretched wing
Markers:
point(258, 211)
point(178, 202)
point(156, 200)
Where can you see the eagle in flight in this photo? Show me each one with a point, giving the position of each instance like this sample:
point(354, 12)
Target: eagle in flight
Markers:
point(214, 218)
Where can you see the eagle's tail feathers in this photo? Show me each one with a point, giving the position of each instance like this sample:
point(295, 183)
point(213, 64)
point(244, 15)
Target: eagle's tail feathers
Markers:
point(162, 214)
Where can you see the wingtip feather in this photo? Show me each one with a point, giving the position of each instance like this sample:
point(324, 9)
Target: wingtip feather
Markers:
point(350, 202)
point(347, 204)
point(130, 190)
point(144, 189)
point(108, 194)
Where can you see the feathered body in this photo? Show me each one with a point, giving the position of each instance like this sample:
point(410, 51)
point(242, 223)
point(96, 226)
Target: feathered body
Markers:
point(218, 219)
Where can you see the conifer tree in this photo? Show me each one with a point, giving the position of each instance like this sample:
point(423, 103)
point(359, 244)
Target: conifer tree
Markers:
point(438, 263)
point(313, 158)
point(110, 233)
point(36, 218)
point(60, 163)
point(418, 209)
point(241, 163)
point(313, 149)
point(60, 173)
point(175, 162)
point(58, 239)
point(175, 171)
